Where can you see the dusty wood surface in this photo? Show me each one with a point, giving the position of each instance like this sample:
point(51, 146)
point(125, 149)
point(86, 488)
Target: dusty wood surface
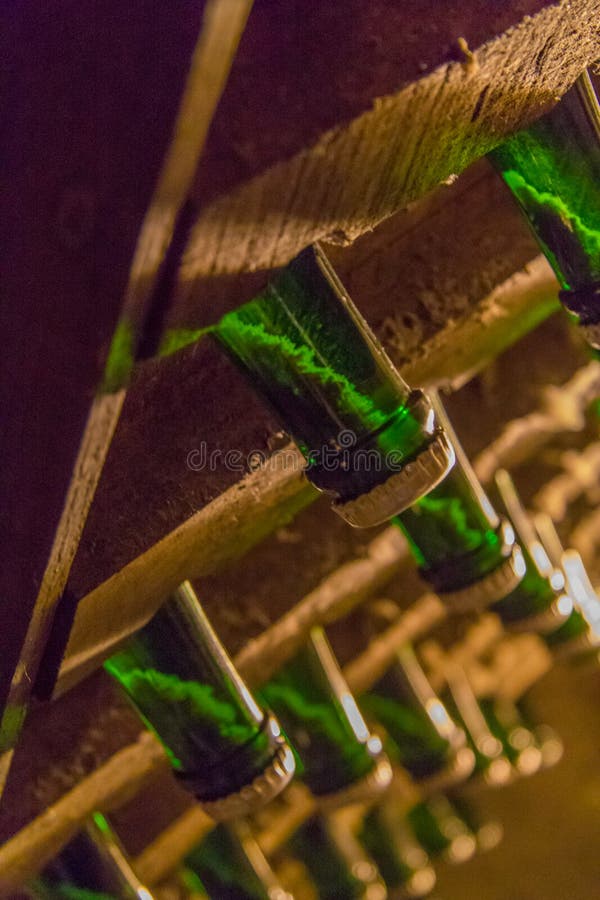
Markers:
point(298, 74)
point(245, 513)
point(125, 773)
point(354, 177)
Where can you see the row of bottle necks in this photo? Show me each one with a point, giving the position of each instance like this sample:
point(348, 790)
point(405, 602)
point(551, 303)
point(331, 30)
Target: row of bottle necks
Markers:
point(384, 452)
point(378, 837)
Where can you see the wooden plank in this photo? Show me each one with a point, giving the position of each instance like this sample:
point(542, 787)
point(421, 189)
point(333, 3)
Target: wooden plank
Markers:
point(355, 176)
point(297, 74)
point(245, 513)
point(127, 772)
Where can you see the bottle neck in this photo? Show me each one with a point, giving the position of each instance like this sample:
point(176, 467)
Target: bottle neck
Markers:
point(422, 736)
point(460, 699)
point(441, 831)
point(307, 350)
point(178, 675)
point(92, 865)
point(454, 532)
point(335, 751)
point(335, 861)
point(553, 170)
point(231, 866)
point(403, 864)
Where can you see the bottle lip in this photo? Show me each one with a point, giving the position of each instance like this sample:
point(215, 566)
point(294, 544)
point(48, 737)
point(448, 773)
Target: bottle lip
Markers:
point(403, 488)
point(263, 788)
point(366, 788)
point(544, 622)
point(459, 768)
point(591, 332)
point(490, 589)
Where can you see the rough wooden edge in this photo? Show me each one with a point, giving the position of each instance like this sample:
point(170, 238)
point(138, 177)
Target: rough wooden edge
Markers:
point(580, 474)
point(331, 600)
point(161, 857)
point(226, 528)
point(364, 670)
point(245, 513)
point(358, 175)
point(96, 439)
point(223, 24)
point(466, 345)
point(113, 783)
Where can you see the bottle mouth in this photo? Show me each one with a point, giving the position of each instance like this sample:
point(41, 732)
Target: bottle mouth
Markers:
point(409, 480)
point(459, 768)
point(369, 787)
point(494, 586)
point(260, 790)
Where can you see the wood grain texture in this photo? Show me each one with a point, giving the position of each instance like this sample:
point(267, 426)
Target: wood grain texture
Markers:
point(121, 777)
point(223, 530)
point(354, 177)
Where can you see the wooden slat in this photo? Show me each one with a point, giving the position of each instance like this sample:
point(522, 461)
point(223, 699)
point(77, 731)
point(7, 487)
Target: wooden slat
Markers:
point(127, 772)
point(354, 177)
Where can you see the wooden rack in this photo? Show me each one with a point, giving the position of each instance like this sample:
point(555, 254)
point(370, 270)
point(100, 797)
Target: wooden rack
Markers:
point(378, 132)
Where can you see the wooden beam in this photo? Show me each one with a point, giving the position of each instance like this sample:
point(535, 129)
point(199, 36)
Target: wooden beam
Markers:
point(223, 530)
point(355, 176)
point(127, 772)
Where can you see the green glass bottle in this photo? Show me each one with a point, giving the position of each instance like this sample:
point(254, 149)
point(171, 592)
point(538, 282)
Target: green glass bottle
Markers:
point(336, 755)
point(488, 833)
point(403, 864)
point(92, 866)
point(223, 747)
point(546, 737)
point(540, 603)
point(463, 549)
point(336, 862)
point(441, 831)
point(519, 742)
point(367, 438)
point(229, 865)
point(580, 634)
point(421, 736)
point(553, 170)
point(459, 698)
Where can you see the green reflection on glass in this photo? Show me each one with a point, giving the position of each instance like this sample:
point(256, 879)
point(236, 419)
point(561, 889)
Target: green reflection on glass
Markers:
point(308, 351)
point(553, 170)
point(230, 868)
point(422, 735)
point(331, 855)
point(321, 719)
point(186, 688)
